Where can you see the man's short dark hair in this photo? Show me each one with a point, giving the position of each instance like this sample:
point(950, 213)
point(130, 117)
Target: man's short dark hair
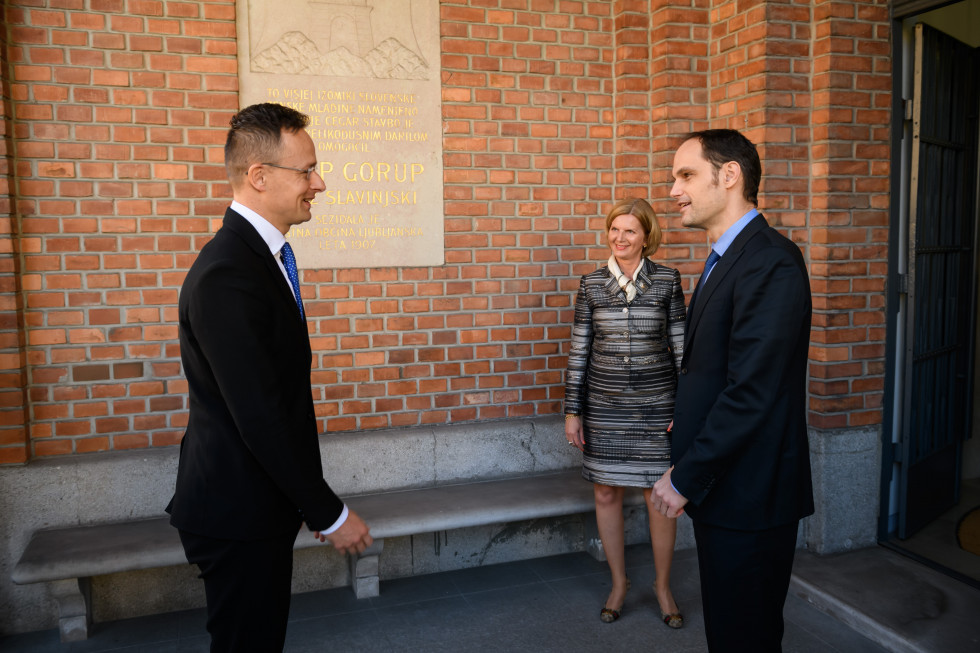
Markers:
point(256, 135)
point(720, 146)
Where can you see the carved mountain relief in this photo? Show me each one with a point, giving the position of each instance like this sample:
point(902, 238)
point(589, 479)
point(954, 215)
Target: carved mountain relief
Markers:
point(296, 54)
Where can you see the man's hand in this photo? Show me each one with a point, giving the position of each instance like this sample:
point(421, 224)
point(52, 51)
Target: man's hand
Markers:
point(666, 500)
point(352, 537)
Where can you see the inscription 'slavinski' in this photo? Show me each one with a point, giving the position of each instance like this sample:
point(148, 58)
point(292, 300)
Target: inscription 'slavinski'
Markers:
point(296, 54)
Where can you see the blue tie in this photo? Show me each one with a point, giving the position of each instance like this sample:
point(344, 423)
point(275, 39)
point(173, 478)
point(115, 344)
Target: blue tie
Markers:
point(710, 263)
point(289, 262)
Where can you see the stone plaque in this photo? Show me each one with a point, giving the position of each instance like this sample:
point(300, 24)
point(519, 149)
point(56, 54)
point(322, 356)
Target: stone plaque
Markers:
point(367, 72)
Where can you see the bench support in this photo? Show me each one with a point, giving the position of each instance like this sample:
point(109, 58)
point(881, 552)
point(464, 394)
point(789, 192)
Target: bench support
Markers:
point(364, 570)
point(74, 598)
point(590, 535)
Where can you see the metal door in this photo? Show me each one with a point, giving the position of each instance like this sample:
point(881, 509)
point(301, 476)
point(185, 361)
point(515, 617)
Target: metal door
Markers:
point(941, 277)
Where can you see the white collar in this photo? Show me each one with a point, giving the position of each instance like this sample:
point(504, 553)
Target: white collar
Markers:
point(272, 236)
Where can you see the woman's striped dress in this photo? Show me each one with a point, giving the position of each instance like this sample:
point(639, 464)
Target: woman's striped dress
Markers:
point(622, 373)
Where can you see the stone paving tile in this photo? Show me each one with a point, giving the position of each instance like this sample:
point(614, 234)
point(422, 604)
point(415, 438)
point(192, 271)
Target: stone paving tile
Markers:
point(354, 631)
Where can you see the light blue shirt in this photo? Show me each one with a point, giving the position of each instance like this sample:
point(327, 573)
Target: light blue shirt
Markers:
point(730, 235)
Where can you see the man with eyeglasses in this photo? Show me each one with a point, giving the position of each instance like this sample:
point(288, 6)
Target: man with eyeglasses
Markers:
point(250, 471)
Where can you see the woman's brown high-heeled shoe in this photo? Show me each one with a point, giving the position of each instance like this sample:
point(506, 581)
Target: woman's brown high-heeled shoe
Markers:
point(608, 615)
point(674, 620)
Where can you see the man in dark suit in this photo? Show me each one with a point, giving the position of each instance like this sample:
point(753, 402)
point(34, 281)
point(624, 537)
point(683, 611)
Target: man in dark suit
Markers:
point(250, 472)
point(741, 466)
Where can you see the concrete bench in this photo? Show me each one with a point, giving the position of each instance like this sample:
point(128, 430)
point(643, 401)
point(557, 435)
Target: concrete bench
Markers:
point(67, 558)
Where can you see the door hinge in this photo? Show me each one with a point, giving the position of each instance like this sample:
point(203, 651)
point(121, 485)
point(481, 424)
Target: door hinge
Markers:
point(902, 283)
point(896, 452)
point(908, 109)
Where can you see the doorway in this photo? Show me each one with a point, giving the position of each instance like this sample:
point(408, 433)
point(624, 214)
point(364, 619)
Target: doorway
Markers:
point(931, 471)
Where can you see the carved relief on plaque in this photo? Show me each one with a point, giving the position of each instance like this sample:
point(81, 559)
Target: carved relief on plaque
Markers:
point(340, 41)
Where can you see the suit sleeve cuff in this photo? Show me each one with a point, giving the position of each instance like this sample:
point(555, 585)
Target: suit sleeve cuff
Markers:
point(337, 524)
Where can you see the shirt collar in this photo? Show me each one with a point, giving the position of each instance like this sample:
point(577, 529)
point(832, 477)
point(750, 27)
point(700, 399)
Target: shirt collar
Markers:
point(272, 236)
point(732, 232)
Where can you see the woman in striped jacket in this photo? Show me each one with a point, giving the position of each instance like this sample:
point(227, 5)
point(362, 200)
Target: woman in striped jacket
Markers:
point(627, 343)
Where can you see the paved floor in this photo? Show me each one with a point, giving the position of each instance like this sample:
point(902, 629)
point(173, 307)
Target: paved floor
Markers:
point(901, 604)
point(548, 604)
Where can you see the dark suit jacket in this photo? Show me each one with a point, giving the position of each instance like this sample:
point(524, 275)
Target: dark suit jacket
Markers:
point(739, 442)
point(250, 459)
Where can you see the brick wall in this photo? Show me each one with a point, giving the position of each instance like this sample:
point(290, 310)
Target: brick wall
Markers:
point(13, 380)
point(117, 116)
point(810, 82)
point(680, 39)
point(850, 157)
point(114, 113)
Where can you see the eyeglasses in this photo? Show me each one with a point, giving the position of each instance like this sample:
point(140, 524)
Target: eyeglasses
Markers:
point(306, 171)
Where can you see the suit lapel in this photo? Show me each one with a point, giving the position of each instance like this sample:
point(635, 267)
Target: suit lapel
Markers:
point(643, 280)
point(612, 286)
point(247, 232)
point(718, 273)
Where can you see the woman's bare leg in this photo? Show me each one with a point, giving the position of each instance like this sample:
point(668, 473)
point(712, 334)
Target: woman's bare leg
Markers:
point(663, 533)
point(609, 518)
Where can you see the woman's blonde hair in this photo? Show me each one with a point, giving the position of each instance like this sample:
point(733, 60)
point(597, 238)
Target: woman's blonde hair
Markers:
point(642, 211)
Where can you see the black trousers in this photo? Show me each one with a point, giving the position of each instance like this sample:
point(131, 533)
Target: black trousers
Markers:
point(247, 584)
point(744, 580)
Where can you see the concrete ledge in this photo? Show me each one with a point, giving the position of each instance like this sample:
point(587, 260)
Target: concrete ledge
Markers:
point(85, 551)
point(449, 507)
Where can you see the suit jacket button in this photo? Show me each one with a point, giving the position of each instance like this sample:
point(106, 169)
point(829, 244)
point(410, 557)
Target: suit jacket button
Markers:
point(683, 370)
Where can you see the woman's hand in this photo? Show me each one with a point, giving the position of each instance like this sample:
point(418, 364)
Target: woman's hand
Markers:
point(573, 431)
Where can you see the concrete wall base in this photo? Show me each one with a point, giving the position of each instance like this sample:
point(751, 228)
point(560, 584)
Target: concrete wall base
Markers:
point(846, 467)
